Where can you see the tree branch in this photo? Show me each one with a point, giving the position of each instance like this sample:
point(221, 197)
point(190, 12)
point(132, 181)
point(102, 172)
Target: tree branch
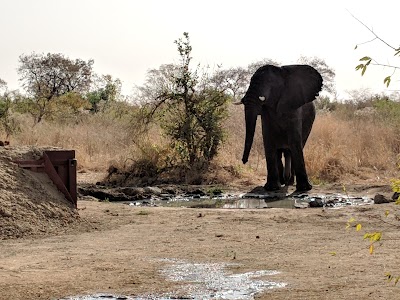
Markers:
point(370, 30)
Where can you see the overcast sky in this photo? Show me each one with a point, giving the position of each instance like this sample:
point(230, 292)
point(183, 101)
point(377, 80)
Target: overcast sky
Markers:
point(126, 38)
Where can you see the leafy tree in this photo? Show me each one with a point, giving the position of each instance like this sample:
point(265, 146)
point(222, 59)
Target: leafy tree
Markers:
point(105, 90)
point(6, 121)
point(189, 109)
point(46, 77)
point(3, 85)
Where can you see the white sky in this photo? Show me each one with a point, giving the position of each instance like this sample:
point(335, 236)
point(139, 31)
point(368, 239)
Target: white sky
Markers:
point(127, 38)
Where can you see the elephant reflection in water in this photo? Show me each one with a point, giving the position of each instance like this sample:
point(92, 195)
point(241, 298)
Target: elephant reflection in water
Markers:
point(283, 96)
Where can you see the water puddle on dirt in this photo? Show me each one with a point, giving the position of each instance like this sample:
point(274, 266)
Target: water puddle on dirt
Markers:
point(255, 200)
point(205, 281)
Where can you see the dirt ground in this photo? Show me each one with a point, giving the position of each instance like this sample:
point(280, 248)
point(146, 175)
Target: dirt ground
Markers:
point(116, 249)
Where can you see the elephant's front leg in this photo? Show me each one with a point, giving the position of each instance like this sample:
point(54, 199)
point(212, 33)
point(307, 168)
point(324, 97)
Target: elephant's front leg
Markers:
point(302, 182)
point(271, 156)
point(273, 180)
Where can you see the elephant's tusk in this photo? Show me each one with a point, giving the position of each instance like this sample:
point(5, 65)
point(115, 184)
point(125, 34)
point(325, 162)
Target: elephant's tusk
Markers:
point(262, 98)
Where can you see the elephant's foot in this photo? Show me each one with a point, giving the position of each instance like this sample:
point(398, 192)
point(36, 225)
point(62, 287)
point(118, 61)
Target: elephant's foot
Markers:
point(290, 181)
point(303, 187)
point(269, 186)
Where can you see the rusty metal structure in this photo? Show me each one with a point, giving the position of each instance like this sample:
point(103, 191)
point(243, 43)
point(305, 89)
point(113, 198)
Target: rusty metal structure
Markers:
point(60, 166)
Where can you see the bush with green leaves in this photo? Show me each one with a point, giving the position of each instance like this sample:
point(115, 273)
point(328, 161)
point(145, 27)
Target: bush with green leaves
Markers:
point(189, 109)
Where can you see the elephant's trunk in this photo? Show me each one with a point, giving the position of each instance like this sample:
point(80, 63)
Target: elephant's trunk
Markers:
point(251, 121)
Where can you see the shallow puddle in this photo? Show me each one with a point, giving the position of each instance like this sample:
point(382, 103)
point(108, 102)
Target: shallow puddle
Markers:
point(205, 281)
point(252, 200)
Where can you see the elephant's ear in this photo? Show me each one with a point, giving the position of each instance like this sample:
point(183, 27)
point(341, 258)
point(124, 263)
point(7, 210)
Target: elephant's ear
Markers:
point(302, 85)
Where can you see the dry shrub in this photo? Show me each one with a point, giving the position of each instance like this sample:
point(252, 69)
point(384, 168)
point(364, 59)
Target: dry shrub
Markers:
point(338, 147)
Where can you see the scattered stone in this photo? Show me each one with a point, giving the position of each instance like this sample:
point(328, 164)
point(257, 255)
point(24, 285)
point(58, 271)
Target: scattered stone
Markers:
point(132, 191)
point(379, 199)
point(153, 190)
point(196, 192)
point(301, 204)
point(316, 202)
point(395, 196)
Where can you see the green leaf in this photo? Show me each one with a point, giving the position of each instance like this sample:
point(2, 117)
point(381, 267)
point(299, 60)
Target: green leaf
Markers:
point(358, 227)
point(365, 58)
point(364, 69)
point(387, 81)
point(355, 47)
point(397, 51)
point(359, 67)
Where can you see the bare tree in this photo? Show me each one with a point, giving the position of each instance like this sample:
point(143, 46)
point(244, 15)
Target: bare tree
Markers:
point(235, 81)
point(328, 74)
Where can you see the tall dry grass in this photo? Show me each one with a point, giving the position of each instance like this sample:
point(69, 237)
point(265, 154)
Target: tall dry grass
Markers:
point(338, 148)
point(351, 148)
point(97, 139)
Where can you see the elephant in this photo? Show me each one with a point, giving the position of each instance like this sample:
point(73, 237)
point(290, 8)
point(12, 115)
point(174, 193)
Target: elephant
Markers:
point(283, 96)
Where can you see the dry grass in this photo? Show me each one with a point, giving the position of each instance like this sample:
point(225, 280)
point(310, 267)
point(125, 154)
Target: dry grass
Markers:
point(97, 140)
point(338, 147)
point(359, 147)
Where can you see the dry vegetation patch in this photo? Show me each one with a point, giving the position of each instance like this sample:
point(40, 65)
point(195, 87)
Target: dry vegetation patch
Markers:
point(342, 146)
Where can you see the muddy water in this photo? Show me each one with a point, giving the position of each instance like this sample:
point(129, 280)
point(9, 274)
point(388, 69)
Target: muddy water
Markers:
point(206, 281)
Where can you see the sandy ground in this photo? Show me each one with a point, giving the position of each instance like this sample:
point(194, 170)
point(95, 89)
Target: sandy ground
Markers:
point(116, 249)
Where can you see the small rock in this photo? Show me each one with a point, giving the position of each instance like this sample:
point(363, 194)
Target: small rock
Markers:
point(317, 202)
point(301, 204)
point(153, 190)
point(395, 196)
point(379, 199)
point(196, 192)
